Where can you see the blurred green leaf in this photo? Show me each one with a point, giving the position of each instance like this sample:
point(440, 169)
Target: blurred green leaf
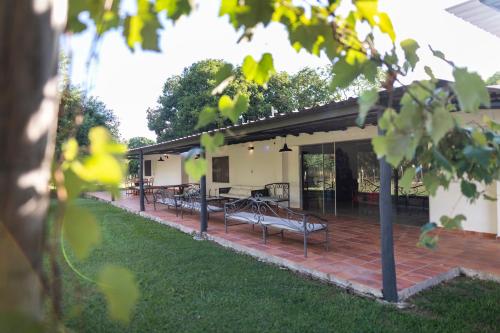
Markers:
point(174, 8)
point(120, 289)
point(80, 230)
point(70, 149)
point(142, 28)
point(452, 223)
point(442, 123)
point(426, 240)
point(468, 189)
point(207, 116)
point(196, 167)
point(407, 179)
point(385, 25)
point(233, 109)
point(223, 77)
point(470, 89)
point(344, 74)
point(366, 101)
point(479, 138)
point(258, 72)
point(410, 47)
point(212, 142)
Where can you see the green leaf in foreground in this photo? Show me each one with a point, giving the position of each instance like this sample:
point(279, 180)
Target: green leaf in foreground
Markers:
point(468, 189)
point(232, 109)
point(410, 47)
point(207, 116)
point(212, 142)
point(196, 167)
point(80, 230)
point(452, 223)
point(258, 72)
point(407, 178)
point(426, 240)
point(470, 89)
point(120, 289)
point(366, 101)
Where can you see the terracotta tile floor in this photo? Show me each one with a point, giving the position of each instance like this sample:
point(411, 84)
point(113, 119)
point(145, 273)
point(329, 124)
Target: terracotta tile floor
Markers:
point(354, 256)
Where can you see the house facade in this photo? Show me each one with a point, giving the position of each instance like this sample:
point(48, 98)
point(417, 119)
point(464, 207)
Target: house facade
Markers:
point(330, 168)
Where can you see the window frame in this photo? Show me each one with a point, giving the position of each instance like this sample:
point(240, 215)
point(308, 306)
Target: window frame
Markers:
point(219, 175)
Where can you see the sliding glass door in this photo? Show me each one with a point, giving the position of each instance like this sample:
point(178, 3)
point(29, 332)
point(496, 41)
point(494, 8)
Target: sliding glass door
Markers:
point(318, 178)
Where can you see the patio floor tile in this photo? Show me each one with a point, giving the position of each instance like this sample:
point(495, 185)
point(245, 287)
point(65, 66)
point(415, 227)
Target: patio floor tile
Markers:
point(354, 254)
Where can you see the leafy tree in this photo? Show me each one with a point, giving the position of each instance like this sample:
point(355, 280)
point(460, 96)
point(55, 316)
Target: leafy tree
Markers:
point(494, 79)
point(185, 96)
point(86, 112)
point(135, 142)
point(311, 87)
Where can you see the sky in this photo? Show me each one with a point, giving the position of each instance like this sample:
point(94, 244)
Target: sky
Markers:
point(129, 83)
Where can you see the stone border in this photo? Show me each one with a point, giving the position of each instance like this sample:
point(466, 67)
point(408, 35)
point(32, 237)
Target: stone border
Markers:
point(302, 270)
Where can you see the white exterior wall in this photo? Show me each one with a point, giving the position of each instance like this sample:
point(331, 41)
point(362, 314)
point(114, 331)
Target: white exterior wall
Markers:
point(168, 172)
point(265, 164)
point(483, 215)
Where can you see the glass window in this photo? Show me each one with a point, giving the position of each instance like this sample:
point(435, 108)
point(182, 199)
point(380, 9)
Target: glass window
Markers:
point(220, 169)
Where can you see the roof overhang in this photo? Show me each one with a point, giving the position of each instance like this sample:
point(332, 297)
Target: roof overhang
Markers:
point(334, 116)
point(484, 14)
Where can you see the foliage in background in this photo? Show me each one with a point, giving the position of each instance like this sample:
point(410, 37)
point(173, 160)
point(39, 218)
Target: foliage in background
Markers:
point(81, 113)
point(184, 96)
point(494, 79)
point(136, 142)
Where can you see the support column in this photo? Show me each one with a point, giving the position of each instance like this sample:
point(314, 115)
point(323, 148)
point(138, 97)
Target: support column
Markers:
point(203, 202)
point(389, 283)
point(141, 181)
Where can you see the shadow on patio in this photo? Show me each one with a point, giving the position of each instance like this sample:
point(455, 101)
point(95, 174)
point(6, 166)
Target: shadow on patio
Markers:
point(353, 260)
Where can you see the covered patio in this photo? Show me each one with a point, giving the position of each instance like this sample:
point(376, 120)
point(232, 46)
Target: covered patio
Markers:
point(354, 258)
point(363, 250)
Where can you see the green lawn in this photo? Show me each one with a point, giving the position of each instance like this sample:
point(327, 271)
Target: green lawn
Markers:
point(191, 286)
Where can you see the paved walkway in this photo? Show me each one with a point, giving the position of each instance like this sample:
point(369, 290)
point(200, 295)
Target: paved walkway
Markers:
point(353, 260)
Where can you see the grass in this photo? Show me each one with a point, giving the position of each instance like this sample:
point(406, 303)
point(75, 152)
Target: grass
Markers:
point(191, 286)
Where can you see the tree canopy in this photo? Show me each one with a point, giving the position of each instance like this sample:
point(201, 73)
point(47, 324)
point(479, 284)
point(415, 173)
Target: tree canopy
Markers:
point(184, 96)
point(494, 79)
point(86, 112)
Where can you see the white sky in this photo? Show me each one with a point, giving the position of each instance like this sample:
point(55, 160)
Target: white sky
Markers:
point(129, 83)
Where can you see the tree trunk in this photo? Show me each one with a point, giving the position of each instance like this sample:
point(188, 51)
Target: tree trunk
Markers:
point(29, 52)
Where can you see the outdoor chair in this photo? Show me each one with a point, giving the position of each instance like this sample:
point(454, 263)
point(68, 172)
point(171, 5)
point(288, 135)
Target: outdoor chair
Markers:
point(256, 211)
point(191, 202)
point(168, 198)
point(277, 192)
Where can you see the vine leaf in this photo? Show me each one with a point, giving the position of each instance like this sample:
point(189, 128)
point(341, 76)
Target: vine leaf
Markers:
point(385, 25)
point(468, 189)
point(366, 101)
point(410, 47)
point(232, 109)
point(407, 178)
point(120, 290)
point(80, 230)
point(470, 89)
point(426, 240)
point(344, 74)
point(452, 223)
point(442, 123)
point(223, 77)
point(142, 28)
point(196, 167)
point(174, 8)
point(258, 72)
point(212, 142)
point(206, 116)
